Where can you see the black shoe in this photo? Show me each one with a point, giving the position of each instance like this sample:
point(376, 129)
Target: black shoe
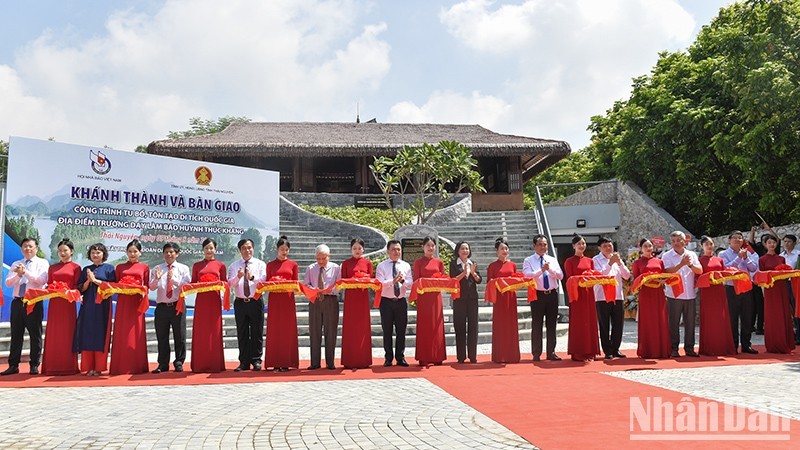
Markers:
point(242, 367)
point(619, 355)
point(256, 366)
point(10, 371)
point(674, 354)
point(34, 370)
point(178, 367)
point(473, 360)
point(402, 362)
point(158, 370)
point(282, 369)
point(609, 356)
point(313, 367)
point(537, 358)
point(461, 361)
point(750, 350)
point(691, 353)
point(553, 357)
point(331, 367)
point(387, 363)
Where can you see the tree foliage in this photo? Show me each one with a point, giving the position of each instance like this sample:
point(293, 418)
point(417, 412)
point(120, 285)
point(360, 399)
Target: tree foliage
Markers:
point(3, 161)
point(200, 126)
point(712, 133)
point(577, 167)
point(437, 171)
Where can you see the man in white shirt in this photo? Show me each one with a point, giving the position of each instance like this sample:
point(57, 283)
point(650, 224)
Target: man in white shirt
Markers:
point(30, 272)
point(323, 314)
point(547, 273)
point(740, 306)
point(610, 315)
point(166, 279)
point(243, 277)
point(395, 276)
point(685, 263)
point(790, 254)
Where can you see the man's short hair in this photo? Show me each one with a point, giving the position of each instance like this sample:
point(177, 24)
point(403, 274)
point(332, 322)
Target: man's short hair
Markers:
point(29, 239)
point(678, 233)
point(244, 241)
point(791, 237)
point(173, 245)
point(322, 248)
point(538, 237)
point(391, 243)
point(603, 240)
point(735, 232)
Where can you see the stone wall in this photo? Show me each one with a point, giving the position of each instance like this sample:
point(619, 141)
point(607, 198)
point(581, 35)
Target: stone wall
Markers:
point(342, 200)
point(781, 230)
point(453, 212)
point(640, 216)
point(373, 238)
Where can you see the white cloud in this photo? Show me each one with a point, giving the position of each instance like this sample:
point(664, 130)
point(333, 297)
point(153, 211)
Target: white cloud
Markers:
point(453, 107)
point(566, 60)
point(281, 60)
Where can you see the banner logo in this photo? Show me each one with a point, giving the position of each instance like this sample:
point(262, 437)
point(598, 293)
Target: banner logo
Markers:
point(203, 175)
point(100, 162)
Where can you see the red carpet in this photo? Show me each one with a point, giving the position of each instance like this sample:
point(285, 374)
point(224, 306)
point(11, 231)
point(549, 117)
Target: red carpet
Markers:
point(561, 404)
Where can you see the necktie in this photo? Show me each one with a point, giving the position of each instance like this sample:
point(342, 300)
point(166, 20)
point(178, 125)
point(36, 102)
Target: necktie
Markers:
point(320, 279)
point(23, 285)
point(396, 285)
point(246, 282)
point(545, 280)
point(169, 281)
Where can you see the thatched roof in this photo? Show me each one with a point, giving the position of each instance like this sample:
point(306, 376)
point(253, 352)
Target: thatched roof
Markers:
point(348, 139)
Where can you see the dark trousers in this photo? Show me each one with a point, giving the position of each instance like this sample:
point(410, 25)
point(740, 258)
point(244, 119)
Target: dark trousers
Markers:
point(545, 309)
point(164, 318)
point(758, 309)
point(249, 316)
point(688, 309)
point(465, 322)
point(795, 320)
point(394, 316)
point(610, 316)
point(323, 320)
point(21, 321)
point(741, 309)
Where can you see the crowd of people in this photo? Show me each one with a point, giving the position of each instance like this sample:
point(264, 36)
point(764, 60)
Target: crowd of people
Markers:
point(596, 312)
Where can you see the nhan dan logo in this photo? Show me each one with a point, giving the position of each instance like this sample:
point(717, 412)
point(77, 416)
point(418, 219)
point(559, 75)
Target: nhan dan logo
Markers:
point(100, 162)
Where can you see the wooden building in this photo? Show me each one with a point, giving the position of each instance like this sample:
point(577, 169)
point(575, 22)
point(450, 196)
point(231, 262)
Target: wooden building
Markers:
point(335, 157)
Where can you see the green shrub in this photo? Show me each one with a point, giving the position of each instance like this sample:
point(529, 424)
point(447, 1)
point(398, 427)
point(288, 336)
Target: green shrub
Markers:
point(381, 219)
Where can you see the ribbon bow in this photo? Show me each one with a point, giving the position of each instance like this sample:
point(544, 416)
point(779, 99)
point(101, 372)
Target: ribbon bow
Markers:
point(56, 289)
point(590, 278)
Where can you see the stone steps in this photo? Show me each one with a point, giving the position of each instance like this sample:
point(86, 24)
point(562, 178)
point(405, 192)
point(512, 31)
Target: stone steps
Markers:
point(229, 330)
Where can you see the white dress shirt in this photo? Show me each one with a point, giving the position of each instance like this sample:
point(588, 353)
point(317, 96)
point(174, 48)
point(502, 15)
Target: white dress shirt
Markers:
point(384, 274)
point(532, 267)
point(258, 272)
point(180, 276)
point(672, 259)
point(791, 257)
point(35, 276)
point(617, 270)
point(331, 273)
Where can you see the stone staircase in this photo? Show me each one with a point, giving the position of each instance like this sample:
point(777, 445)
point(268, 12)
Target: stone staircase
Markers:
point(229, 329)
point(480, 229)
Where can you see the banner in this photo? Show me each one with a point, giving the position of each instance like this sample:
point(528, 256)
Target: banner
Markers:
point(97, 195)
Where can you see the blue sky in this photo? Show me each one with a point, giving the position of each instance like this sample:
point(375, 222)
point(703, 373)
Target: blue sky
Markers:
point(124, 73)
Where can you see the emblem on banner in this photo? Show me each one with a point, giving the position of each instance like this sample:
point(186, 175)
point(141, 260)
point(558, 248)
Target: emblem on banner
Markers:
point(203, 175)
point(100, 162)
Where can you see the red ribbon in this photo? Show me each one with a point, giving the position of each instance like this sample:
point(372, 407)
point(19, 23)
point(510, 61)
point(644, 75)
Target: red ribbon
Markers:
point(363, 282)
point(654, 279)
point(592, 278)
point(741, 279)
point(435, 284)
point(515, 282)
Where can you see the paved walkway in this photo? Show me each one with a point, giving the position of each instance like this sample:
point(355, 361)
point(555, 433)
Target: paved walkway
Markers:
point(403, 414)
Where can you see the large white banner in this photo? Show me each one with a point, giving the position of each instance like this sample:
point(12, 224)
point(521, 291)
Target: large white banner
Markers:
point(92, 195)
